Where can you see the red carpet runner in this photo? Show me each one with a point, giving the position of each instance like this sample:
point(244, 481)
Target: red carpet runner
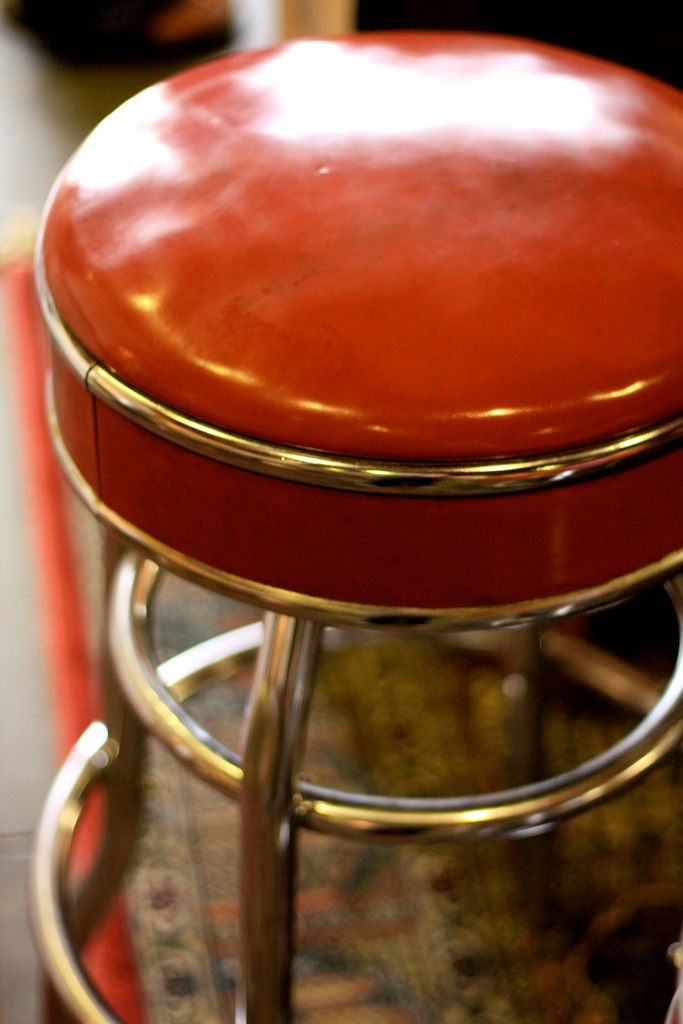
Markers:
point(72, 695)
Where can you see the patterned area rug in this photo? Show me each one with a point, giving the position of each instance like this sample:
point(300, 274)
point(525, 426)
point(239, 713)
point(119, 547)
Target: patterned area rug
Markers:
point(570, 927)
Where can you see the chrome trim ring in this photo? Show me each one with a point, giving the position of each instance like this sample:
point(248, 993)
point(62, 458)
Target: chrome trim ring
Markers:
point(75, 355)
point(344, 472)
point(516, 811)
point(343, 613)
point(88, 760)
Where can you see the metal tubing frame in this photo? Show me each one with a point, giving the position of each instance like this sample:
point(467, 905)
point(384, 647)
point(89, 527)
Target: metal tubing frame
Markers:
point(59, 927)
point(274, 728)
point(518, 810)
point(146, 688)
point(122, 805)
point(345, 814)
point(90, 758)
point(273, 740)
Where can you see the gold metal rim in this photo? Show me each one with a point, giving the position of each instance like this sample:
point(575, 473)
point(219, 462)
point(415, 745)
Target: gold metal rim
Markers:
point(344, 472)
point(334, 612)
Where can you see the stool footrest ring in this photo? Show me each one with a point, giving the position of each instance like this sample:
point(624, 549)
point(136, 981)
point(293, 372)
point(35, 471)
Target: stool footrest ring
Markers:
point(516, 811)
point(86, 763)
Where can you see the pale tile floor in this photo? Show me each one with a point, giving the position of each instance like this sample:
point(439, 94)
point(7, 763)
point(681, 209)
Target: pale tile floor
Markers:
point(46, 108)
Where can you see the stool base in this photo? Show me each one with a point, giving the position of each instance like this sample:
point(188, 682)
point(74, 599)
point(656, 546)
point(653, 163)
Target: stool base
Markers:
point(275, 803)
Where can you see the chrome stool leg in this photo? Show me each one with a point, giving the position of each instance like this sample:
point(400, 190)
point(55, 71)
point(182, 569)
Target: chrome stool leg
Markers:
point(273, 741)
point(522, 664)
point(604, 673)
point(123, 797)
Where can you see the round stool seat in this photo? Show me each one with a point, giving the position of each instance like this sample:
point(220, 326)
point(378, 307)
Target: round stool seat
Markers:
point(384, 326)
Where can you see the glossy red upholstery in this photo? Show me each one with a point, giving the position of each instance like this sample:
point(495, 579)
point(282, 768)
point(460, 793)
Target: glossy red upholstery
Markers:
point(408, 247)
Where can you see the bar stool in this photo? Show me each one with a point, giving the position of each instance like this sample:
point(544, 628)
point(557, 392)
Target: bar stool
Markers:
point(381, 331)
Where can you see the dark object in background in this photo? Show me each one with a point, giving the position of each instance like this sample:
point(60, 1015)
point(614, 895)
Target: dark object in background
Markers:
point(118, 29)
point(648, 37)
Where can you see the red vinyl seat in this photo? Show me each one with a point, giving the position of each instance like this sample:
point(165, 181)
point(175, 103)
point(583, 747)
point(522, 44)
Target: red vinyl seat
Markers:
point(382, 325)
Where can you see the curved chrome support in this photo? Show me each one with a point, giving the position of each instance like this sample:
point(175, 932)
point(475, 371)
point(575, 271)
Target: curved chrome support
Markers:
point(519, 810)
point(522, 809)
point(274, 735)
point(89, 759)
point(133, 585)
